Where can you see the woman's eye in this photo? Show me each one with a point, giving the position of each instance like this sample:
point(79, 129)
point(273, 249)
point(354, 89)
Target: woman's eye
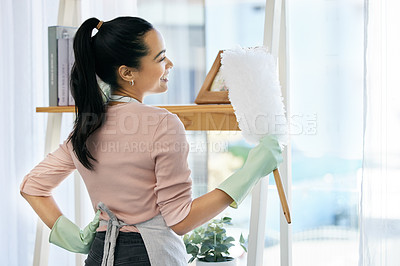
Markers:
point(162, 59)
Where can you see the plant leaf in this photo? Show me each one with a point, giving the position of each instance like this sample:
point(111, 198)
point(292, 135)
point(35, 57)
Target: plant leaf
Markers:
point(223, 258)
point(204, 249)
point(221, 248)
point(197, 239)
point(209, 233)
point(242, 242)
point(229, 245)
point(228, 258)
point(209, 242)
point(241, 239)
point(226, 220)
point(228, 240)
point(209, 258)
point(191, 259)
point(192, 249)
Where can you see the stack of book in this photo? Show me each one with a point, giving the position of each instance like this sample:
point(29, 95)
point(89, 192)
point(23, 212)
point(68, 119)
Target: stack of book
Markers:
point(61, 60)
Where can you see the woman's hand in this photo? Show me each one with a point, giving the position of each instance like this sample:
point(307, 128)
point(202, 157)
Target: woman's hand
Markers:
point(261, 161)
point(69, 236)
point(64, 233)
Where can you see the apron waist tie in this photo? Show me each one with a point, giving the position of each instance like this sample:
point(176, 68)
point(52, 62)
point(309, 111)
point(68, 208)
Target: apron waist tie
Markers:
point(113, 227)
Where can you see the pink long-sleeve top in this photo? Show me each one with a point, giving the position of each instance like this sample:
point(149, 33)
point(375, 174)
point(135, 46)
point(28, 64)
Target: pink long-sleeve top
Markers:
point(142, 167)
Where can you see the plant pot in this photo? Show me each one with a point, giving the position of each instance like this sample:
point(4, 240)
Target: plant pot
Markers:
point(223, 263)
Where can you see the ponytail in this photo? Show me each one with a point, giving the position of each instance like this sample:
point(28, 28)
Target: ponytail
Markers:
point(89, 105)
point(118, 42)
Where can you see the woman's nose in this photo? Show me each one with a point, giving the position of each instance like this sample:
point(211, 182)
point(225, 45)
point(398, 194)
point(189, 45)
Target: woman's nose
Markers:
point(169, 64)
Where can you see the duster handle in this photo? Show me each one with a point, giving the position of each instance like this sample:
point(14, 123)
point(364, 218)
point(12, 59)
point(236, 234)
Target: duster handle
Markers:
point(282, 196)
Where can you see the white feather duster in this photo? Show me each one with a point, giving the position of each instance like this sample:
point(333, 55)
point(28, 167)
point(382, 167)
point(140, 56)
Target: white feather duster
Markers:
point(255, 93)
point(253, 85)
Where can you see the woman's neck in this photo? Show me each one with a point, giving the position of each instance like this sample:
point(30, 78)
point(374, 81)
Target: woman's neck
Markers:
point(125, 93)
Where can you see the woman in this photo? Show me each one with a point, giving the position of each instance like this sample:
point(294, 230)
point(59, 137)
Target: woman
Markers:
point(131, 156)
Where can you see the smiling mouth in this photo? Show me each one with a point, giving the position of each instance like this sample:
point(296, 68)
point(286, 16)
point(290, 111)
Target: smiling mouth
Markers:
point(164, 78)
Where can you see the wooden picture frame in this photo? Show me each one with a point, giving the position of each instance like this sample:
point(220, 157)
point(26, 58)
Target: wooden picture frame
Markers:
point(213, 90)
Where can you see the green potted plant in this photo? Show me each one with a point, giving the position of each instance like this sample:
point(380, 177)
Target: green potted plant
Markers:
point(209, 244)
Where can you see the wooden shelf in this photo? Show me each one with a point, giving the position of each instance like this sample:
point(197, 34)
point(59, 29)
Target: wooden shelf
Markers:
point(193, 117)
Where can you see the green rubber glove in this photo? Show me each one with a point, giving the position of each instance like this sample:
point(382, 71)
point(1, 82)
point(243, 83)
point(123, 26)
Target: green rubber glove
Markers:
point(261, 161)
point(69, 236)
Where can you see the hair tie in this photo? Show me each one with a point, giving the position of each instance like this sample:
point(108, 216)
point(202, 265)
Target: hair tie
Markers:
point(99, 25)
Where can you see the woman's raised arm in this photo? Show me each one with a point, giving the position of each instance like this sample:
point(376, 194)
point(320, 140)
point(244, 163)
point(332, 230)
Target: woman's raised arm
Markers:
point(261, 161)
point(203, 209)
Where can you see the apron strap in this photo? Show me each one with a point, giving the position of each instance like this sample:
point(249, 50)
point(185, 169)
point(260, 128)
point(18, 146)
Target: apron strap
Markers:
point(113, 227)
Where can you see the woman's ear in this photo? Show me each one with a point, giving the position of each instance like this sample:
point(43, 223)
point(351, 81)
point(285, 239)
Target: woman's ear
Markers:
point(126, 73)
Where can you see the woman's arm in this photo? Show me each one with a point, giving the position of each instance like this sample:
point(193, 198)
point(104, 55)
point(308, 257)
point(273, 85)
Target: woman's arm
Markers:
point(45, 207)
point(203, 209)
point(261, 161)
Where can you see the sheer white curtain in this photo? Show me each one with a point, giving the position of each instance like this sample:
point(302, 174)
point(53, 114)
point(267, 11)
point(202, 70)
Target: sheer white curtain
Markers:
point(380, 190)
point(23, 64)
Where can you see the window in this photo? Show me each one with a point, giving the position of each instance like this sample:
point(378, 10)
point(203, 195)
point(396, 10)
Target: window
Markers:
point(326, 77)
point(326, 59)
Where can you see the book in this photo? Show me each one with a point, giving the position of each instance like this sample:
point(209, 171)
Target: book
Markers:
point(59, 66)
point(71, 61)
point(62, 69)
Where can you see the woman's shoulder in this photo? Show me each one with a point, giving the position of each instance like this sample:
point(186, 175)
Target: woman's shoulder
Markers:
point(160, 112)
point(156, 109)
point(148, 113)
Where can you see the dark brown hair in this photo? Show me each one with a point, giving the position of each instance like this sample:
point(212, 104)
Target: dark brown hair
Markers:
point(118, 42)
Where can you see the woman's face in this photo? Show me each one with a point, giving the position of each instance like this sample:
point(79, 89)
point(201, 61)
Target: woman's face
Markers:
point(153, 74)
